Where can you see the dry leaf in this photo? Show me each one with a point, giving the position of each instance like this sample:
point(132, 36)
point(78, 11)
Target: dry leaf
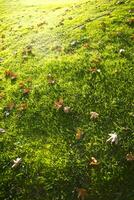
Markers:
point(10, 74)
point(94, 70)
point(58, 104)
point(94, 162)
point(82, 193)
point(2, 130)
point(94, 115)
point(51, 79)
point(16, 162)
point(131, 21)
point(79, 134)
point(26, 91)
point(66, 109)
point(130, 157)
point(113, 138)
point(21, 85)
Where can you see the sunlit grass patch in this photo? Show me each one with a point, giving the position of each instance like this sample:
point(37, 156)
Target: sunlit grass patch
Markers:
point(66, 85)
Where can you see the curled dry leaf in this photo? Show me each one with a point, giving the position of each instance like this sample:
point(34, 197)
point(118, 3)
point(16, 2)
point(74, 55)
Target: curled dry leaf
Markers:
point(59, 104)
point(94, 162)
point(26, 91)
point(130, 157)
point(10, 74)
point(121, 51)
point(82, 193)
point(79, 134)
point(67, 109)
point(94, 115)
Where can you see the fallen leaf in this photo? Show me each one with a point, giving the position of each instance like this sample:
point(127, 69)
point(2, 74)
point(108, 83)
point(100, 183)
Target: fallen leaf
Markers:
point(131, 21)
point(82, 193)
point(131, 11)
point(67, 109)
point(51, 79)
point(121, 51)
point(21, 85)
point(94, 115)
point(10, 74)
point(130, 157)
point(113, 138)
point(94, 162)
point(16, 162)
point(79, 134)
point(59, 104)
point(94, 70)
point(26, 91)
point(2, 130)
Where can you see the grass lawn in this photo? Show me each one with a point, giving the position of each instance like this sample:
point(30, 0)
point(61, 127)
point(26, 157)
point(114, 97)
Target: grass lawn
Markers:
point(66, 83)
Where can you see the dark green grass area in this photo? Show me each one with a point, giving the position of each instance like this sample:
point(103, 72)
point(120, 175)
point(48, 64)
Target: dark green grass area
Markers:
point(83, 53)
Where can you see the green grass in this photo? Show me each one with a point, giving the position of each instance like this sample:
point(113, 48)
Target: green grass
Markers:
point(67, 39)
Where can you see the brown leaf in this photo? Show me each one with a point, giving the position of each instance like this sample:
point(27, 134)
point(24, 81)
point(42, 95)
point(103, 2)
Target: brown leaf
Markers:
point(21, 85)
point(94, 115)
point(82, 193)
point(59, 104)
point(130, 157)
point(10, 74)
point(26, 91)
point(94, 70)
point(79, 134)
point(94, 162)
